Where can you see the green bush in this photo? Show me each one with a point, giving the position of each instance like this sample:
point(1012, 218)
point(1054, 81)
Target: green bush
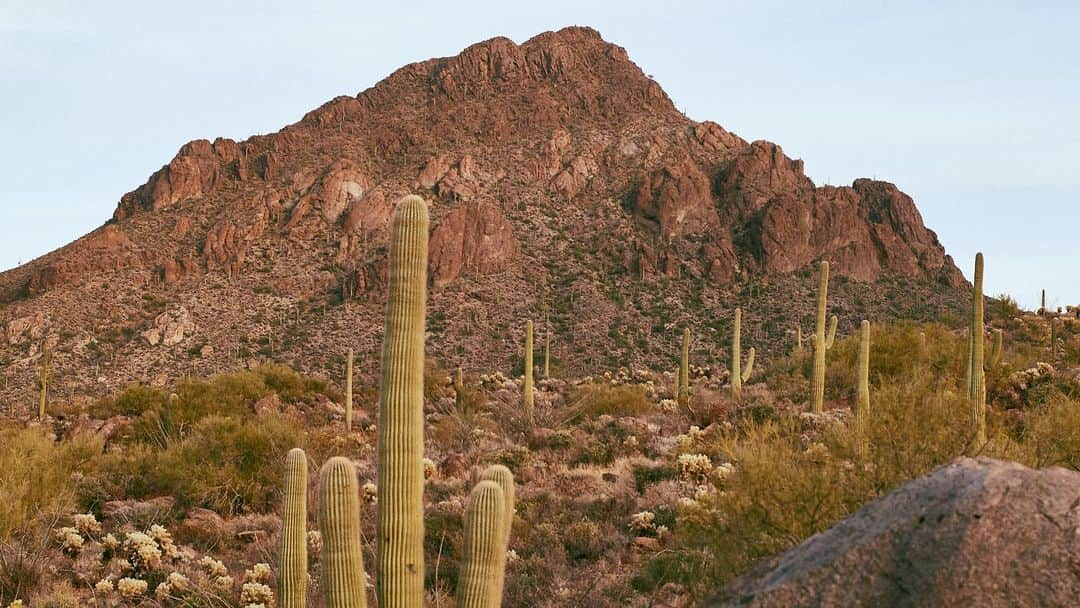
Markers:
point(36, 474)
point(593, 400)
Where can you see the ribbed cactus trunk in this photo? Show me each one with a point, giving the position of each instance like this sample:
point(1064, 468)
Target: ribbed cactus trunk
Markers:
point(502, 476)
point(862, 402)
point(977, 389)
point(348, 390)
point(343, 579)
point(483, 542)
point(400, 512)
point(738, 375)
point(684, 370)
point(821, 343)
point(292, 570)
point(527, 386)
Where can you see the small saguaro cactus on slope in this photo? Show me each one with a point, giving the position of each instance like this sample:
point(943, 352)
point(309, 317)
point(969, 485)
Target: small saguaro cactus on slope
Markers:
point(527, 395)
point(46, 361)
point(399, 521)
point(348, 390)
point(798, 340)
point(502, 476)
point(862, 403)
point(822, 342)
point(293, 558)
point(684, 370)
point(480, 577)
point(738, 375)
point(344, 582)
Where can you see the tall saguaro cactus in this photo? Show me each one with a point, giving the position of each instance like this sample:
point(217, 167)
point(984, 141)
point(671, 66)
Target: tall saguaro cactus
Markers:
point(343, 581)
point(400, 513)
point(822, 342)
point(738, 376)
point(527, 387)
point(348, 391)
point(484, 514)
point(977, 384)
point(293, 558)
point(502, 476)
point(862, 403)
point(684, 369)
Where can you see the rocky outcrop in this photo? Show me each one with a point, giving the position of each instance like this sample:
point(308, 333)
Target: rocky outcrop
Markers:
point(107, 248)
point(973, 533)
point(678, 199)
point(473, 238)
point(170, 328)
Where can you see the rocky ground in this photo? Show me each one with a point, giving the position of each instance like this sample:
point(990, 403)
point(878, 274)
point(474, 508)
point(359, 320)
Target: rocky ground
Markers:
point(624, 498)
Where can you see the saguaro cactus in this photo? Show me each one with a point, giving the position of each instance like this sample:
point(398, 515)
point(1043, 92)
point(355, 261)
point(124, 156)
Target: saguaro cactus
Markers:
point(547, 348)
point(684, 369)
point(822, 342)
point(348, 390)
point(480, 576)
point(293, 558)
point(862, 403)
point(46, 361)
point(400, 513)
point(738, 376)
point(502, 476)
point(798, 340)
point(1042, 304)
point(527, 387)
point(344, 581)
point(977, 385)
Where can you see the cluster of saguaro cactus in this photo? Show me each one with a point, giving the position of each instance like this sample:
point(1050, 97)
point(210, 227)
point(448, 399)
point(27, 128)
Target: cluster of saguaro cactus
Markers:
point(738, 375)
point(400, 513)
point(348, 390)
point(527, 395)
point(683, 388)
point(399, 518)
point(822, 343)
point(862, 402)
point(293, 575)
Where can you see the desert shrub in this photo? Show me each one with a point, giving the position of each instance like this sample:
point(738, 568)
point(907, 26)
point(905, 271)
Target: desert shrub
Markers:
point(583, 541)
point(36, 473)
point(132, 401)
point(647, 475)
point(593, 400)
point(223, 463)
point(1051, 434)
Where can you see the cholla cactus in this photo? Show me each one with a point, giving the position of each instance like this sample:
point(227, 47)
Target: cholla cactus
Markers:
point(822, 342)
point(694, 467)
point(643, 522)
point(400, 512)
point(738, 376)
point(129, 588)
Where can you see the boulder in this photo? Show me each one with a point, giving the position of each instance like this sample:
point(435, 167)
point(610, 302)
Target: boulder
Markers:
point(976, 532)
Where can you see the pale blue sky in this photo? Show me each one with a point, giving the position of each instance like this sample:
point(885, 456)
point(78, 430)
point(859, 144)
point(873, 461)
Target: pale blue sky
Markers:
point(973, 108)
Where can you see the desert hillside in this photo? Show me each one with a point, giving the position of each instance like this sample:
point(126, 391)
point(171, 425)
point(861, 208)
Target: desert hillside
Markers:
point(566, 187)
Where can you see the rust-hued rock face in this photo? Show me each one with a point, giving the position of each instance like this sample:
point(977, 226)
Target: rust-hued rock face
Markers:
point(473, 238)
point(562, 181)
point(977, 532)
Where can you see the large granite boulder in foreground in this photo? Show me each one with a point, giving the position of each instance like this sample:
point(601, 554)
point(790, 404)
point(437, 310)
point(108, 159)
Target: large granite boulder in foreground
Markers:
point(977, 532)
